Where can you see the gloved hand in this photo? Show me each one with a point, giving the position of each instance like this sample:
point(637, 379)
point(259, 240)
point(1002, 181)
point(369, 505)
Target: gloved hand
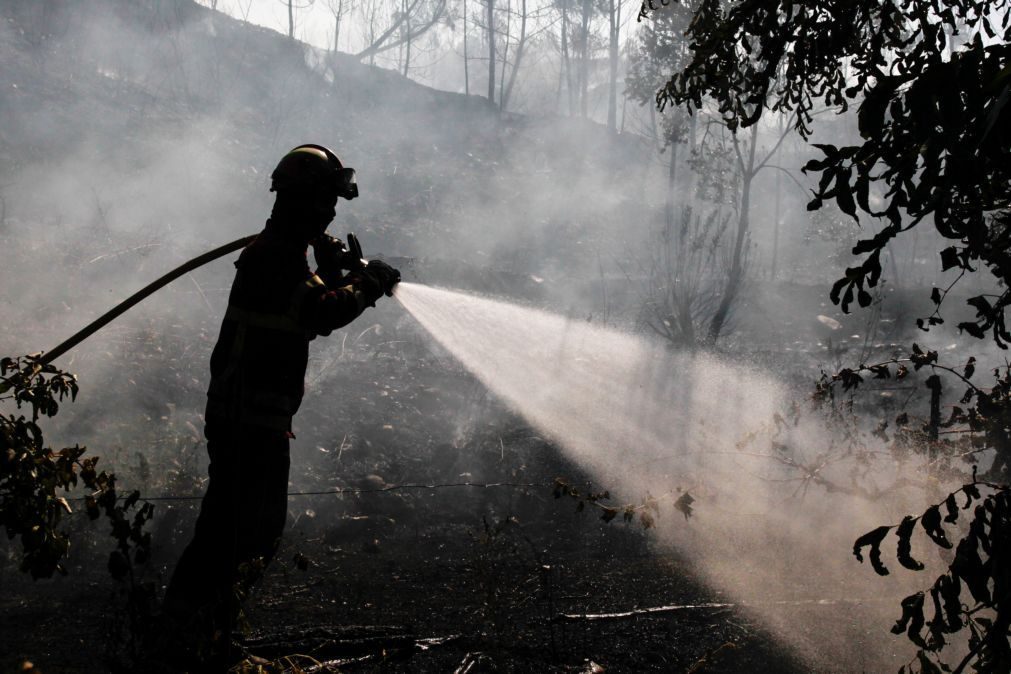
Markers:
point(374, 280)
point(385, 275)
point(331, 254)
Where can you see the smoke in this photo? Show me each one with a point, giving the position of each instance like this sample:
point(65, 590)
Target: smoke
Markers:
point(135, 138)
point(645, 420)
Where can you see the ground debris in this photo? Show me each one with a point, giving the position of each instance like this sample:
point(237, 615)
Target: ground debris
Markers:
point(331, 646)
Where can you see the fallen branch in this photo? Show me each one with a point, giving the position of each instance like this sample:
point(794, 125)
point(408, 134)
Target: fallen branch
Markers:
point(674, 608)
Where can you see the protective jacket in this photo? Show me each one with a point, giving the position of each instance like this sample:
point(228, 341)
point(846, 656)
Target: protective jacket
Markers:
point(276, 307)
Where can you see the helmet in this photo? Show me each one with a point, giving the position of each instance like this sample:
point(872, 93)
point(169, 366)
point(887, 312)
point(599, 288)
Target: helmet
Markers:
point(312, 168)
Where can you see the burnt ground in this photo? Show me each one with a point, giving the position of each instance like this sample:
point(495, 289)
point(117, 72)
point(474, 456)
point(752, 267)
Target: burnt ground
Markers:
point(401, 573)
point(363, 579)
point(491, 599)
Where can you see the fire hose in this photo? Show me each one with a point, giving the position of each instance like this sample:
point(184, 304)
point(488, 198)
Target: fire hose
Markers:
point(354, 253)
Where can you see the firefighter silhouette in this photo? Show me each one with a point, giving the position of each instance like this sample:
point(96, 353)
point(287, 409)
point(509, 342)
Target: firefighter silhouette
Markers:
point(277, 305)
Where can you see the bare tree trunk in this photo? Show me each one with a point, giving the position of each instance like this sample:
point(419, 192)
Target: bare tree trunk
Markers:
point(566, 59)
point(291, 19)
point(466, 57)
point(584, 59)
point(406, 23)
point(491, 51)
point(736, 273)
point(668, 206)
point(519, 54)
point(775, 224)
point(505, 55)
point(337, 25)
point(614, 16)
point(680, 299)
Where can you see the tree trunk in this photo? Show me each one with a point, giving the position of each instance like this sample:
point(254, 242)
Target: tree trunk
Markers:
point(680, 299)
point(584, 59)
point(291, 19)
point(736, 273)
point(566, 60)
point(466, 57)
point(612, 90)
point(519, 54)
point(337, 25)
point(775, 224)
point(668, 206)
point(407, 27)
point(491, 51)
point(505, 55)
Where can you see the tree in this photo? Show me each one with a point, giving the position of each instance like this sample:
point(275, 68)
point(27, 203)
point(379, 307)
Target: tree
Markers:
point(935, 128)
point(663, 46)
point(506, 84)
point(613, 35)
point(491, 49)
point(934, 117)
point(339, 8)
point(292, 6)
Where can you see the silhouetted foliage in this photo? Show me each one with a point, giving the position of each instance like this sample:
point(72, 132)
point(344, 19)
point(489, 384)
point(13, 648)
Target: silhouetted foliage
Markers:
point(933, 116)
point(935, 126)
point(981, 559)
point(33, 478)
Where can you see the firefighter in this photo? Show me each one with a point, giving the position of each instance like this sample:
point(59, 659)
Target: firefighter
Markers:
point(275, 308)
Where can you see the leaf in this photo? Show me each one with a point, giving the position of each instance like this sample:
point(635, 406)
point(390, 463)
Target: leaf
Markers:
point(949, 258)
point(950, 589)
point(863, 298)
point(970, 367)
point(968, 566)
point(931, 523)
point(837, 289)
point(131, 499)
point(952, 507)
point(905, 534)
point(684, 504)
point(911, 621)
point(844, 194)
point(973, 329)
point(873, 540)
point(981, 304)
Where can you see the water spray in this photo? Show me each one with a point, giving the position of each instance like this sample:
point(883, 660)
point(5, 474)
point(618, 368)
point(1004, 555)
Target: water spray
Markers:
point(644, 419)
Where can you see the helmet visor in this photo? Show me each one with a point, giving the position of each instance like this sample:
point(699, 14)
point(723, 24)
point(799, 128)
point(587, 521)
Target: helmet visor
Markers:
point(347, 185)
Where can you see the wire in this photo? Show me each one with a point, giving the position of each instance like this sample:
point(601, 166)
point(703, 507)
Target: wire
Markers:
point(377, 490)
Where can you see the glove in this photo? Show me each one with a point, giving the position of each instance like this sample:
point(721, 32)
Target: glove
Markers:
point(374, 280)
point(385, 275)
point(331, 254)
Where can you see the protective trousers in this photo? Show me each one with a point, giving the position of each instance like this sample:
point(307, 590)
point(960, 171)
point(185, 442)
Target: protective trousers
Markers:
point(237, 533)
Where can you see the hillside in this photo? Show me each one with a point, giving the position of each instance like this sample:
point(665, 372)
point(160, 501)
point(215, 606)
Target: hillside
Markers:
point(173, 115)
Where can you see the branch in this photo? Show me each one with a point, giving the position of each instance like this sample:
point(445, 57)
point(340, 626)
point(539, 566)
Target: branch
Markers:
point(782, 137)
point(380, 45)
